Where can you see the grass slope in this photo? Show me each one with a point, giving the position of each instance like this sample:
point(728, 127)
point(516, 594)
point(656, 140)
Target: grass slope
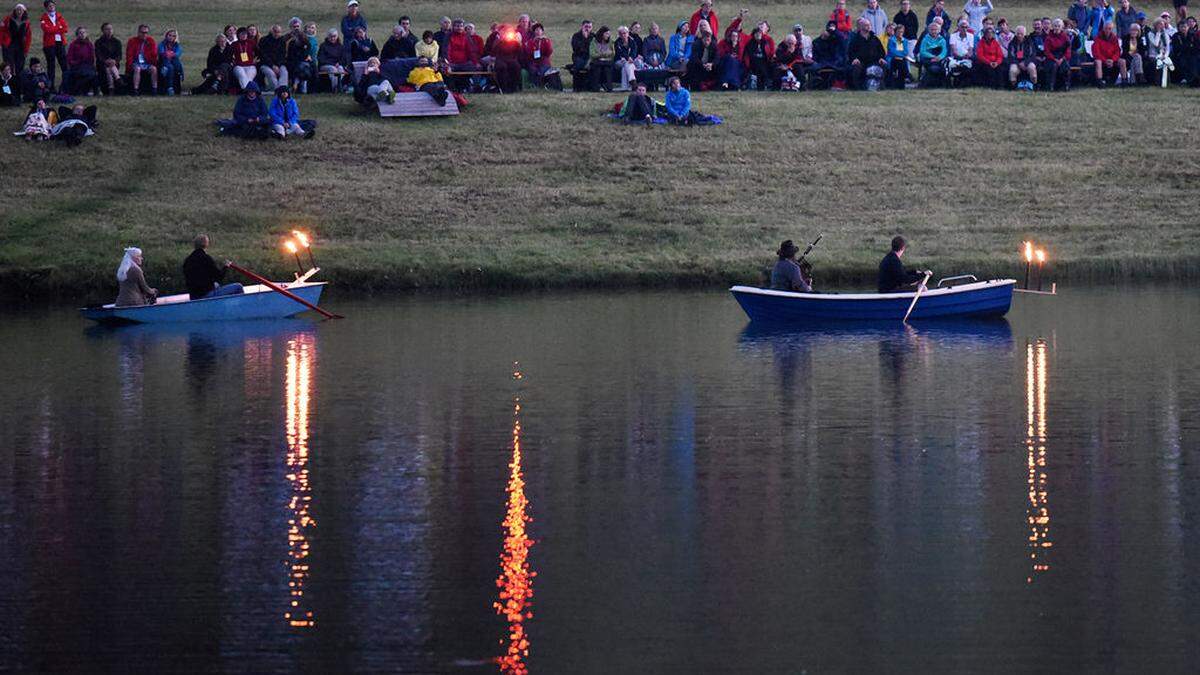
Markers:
point(539, 190)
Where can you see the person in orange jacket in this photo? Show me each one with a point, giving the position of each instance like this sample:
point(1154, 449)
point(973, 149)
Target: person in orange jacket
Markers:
point(989, 60)
point(141, 56)
point(54, 40)
point(1106, 50)
point(15, 37)
point(845, 25)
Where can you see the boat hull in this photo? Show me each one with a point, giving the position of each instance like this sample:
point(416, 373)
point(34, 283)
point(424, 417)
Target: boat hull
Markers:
point(979, 299)
point(258, 302)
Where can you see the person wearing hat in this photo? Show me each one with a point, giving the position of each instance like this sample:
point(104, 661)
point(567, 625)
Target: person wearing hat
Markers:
point(828, 54)
point(804, 45)
point(787, 274)
point(15, 37)
point(893, 278)
point(352, 21)
point(679, 49)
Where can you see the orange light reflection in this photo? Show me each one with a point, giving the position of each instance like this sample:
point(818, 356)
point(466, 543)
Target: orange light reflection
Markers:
point(516, 579)
point(299, 380)
point(1038, 510)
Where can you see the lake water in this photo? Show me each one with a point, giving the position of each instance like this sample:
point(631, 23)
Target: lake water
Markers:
point(639, 481)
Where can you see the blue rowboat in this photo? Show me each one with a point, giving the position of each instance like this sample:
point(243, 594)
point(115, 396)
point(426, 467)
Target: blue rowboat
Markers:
point(974, 299)
point(257, 302)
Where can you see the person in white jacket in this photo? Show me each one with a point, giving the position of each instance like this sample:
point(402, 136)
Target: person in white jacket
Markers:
point(875, 14)
point(975, 11)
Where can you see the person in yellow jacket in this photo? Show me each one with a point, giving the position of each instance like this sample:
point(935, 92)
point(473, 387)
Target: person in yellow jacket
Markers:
point(427, 48)
point(428, 80)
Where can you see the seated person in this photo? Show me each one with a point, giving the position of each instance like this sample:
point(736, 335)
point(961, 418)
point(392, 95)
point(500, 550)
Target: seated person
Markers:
point(654, 49)
point(132, 289)
point(538, 52)
point(702, 66)
point(1056, 68)
point(638, 108)
point(962, 48)
point(427, 48)
point(866, 55)
point(601, 59)
point(285, 115)
point(81, 65)
point(428, 80)
point(787, 274)
point(330, 57)
point(893, 278)
point(1022, 60)
point(678, 103)
point(679, 49)
point(300, 56)
point(933, 56)
point(244, 54)
point(362, 47)
point(373, 87)
point(141, 57)
point(783, 70)
point(202, 276)
point(460, 52)
point(507, 52)
point(10, 92)
point(109, 50)
point(250, 114)
point(897, 58)
point(731, 74)
point(35, 83)
point(1106, 50)
point(218, 69)
point(989, 60)
point(170, 63)
point(272, 58)
point(398, 46)
point(829, 54)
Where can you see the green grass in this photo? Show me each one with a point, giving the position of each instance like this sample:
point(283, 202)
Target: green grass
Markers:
point(539, 189)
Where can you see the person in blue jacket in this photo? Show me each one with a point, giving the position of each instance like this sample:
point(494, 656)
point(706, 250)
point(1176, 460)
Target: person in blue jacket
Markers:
point(250, 111)
point(680, 48)
point(285, 115)
point(170, 61)
point(352, 21)
point(678, 103)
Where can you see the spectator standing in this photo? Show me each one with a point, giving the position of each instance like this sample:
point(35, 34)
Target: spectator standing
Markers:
point(15, 37)
point(839, 15)
point(708, 15)
point(876, 16)
point(1125, 17)
point(976, 10)
point(352, 21)
point(54, 39)
point(938, 11)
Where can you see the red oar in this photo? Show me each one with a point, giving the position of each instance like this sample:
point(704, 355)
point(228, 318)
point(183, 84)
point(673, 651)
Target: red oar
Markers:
point(283, 291)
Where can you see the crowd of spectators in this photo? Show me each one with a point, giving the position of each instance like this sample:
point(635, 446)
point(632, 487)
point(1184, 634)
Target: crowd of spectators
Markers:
point(856, 48)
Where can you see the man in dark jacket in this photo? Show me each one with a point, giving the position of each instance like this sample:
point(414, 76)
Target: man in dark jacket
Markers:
point(908, 18)
point(250, 114)
point(581, 45)
point(865, 51)
point(272, 58)
point(829, 53)
point(202, 275)
point(893, 278)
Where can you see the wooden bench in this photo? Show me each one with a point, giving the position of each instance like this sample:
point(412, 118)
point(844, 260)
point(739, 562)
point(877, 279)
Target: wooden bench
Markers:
point(417, 104)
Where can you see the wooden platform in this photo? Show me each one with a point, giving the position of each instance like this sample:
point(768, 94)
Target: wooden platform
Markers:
point(417, 104)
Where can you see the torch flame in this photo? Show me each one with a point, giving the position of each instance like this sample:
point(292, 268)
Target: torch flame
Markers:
point(1041, 256)
point(290, 246)
point(1029, 251)
point(301, 237)
point(512, 35)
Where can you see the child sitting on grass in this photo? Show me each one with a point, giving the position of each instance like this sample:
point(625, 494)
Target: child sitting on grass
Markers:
point(638, 108)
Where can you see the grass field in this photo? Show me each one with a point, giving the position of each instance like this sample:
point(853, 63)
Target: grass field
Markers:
point(538, 189)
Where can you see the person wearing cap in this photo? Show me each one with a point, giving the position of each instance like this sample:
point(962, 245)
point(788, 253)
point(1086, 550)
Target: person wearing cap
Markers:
point(804, 45)
point(829, 57)
point(893, 278)
point(16, 35)
point(787, 275)
point(351, 21)
point(679, 48)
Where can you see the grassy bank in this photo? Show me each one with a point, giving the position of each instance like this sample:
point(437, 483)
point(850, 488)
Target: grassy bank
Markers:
point(539, 190)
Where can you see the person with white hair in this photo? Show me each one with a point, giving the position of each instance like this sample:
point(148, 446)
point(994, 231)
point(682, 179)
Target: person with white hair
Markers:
point(1158, 53)
point(331, 56)
point(132, 289)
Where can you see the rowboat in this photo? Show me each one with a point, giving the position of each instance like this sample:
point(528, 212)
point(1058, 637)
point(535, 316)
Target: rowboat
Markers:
point(948, 299)
point(256, 302)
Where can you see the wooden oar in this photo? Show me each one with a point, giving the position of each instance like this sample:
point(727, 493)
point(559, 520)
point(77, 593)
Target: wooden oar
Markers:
point(917, 296)
point(283, 291)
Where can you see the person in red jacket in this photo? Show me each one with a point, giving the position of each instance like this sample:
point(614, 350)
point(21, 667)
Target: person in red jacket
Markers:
point(15, 37)
point(1056, 45)
point(54, 40)
point(458, 47)
point(757, 56)
point(989, 60)
point(845, 25)
point(141, 56)
point(538, 49)
point(1106, 50)
point(707, 14)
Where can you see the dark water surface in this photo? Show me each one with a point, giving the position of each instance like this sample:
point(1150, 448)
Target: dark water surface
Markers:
point(353, 496)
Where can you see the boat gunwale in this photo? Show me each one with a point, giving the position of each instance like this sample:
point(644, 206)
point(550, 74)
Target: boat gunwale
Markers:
point(928, 293)
point(112, 307)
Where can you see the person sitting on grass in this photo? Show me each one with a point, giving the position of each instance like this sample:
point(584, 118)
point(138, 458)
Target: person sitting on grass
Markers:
point(35, 84)
point(218, 68)
point(373, 88)
point(10, 91)
point(81, 64)
point(202, 276)
point(37, 122)
point(141, 56)
point(352, 20)
point(702, 65)
point(330, 57)
point(787, 274)
point(250, 116)
point(109, 50)
point(132, 289)
point(285, 115)
point(1106, 51)
point(170, 61)
point(1057, 65)
point(601, 60)
point(678, 103)
point(639, 107)
point(932, 57)
point(866, 55)
point(989, 60)
point(893, 278)
point(425, 78)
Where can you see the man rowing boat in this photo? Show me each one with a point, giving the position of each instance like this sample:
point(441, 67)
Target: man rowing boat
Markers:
point(893, 278)
point(202, 275)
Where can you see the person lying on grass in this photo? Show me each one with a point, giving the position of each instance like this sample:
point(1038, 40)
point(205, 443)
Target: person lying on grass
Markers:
point(428, 80)
point(37, 122)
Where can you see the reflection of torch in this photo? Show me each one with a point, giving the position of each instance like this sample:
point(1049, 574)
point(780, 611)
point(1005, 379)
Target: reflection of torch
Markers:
point(291, 247)
point(303, 239)
point(1028, 261)
point(1041, 256)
